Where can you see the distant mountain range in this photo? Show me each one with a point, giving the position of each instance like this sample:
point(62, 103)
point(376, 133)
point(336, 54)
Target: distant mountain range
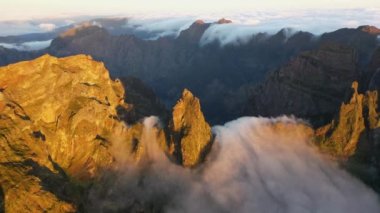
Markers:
point(284, 73)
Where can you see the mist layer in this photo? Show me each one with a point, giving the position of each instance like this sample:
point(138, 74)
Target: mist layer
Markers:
point(256, 165)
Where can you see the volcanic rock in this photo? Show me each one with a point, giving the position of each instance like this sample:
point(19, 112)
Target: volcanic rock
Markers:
point(191, 134)
point(58, 118)
point(353, 136)
point(311, 86)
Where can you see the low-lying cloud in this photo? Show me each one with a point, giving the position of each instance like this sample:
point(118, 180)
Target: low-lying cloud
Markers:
point(245, 25)
point(161, 27)
point(47, 26)
point(256, 165)
point(248, 24)
point(237, 34)
point(27, 46)
point(316, 22)
point(20, 27)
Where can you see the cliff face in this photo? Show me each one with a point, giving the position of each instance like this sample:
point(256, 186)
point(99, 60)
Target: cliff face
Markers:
point(170, 64)
point(143, 101)
point(220, 76)
point(191, 134)
point(58, 117)
point(353, 136)
point(62, 127)
point(311, 86)
point(68, 104)
point(371, 77)
point(341, 136)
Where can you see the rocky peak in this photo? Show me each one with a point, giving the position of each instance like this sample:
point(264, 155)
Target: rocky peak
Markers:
point(61, 131)
point(83, 30)
point(66, 102)
point(191, 134)
point(73, 31)
point(58, 118)
point(74, 40)
point(199, 22)
point(363, 40)
point(352, 137)
point(194, 32)
point(370, 29)
point(341, 137)
point(224, 21)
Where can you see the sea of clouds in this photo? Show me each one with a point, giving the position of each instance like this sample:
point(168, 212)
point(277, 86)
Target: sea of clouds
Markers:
point(27, 46)
point(245, 24)
point(256, 165)
point(20, 27)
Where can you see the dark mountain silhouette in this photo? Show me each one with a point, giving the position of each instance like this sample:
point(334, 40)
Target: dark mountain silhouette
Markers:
point(171, 64)
point(224, 77)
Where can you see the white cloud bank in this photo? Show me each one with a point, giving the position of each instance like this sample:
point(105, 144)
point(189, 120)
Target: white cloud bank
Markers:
point(28, 46)
point(247, 24)
point(19, 27)
point(256, 165)
point(162, 26)
point(316, 22)
point(47, 26)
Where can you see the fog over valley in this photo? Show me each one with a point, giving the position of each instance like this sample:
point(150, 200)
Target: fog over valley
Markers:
point(147, 106)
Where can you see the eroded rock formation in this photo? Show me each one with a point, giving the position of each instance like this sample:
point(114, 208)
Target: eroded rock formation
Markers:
point(58, 117)
point(341, 136)
point(191, 134)
point(311, 86)
point(353, 136)
point(63, 126)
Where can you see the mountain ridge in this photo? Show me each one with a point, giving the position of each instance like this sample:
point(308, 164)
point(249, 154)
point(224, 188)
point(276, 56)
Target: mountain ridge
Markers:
point(62, 130)
point(170, 64)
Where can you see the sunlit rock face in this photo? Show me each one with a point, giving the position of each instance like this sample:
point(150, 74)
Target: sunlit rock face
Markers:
point(341, 135)
point(370, 29)
point(58, 118)
point(191, 134)
point(64, 125)
point(68, 104)
point(353, 136)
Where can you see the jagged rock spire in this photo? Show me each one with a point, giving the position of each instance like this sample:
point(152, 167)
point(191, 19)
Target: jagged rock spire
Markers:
point(191, 134)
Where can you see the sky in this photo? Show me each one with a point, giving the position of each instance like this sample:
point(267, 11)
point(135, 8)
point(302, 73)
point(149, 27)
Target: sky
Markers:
point(32, 9)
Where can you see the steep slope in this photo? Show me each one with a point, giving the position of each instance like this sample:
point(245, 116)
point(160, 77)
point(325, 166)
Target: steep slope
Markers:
point(191, 134)
point(371, 78)
point(353, 136)
point(363, 39)
point(143, 101)
point(311, 86)
point(170, 64)
point(58, 116)
point(68, 101)
point(342, 135)
point(62, 130)
point(9, 56)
